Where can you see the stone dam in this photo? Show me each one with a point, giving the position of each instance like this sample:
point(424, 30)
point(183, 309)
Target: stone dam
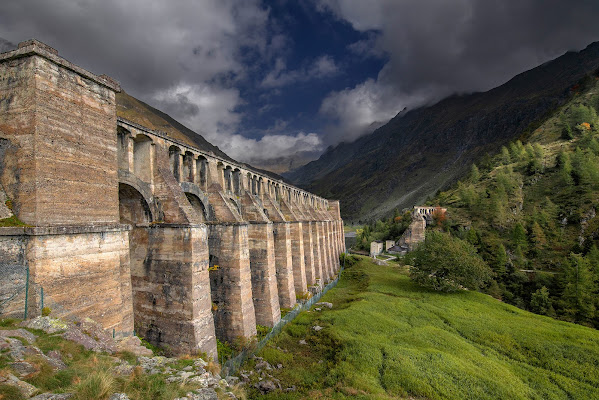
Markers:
point(138, 231)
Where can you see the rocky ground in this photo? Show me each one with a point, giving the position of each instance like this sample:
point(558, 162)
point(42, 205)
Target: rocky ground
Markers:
point(25, 360)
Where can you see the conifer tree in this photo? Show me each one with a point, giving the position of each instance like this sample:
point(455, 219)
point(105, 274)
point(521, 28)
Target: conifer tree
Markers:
point(474, 174)
point(519, 236)
point(540, 302)
point(578, 300)
point(505, 156)
point(538, 240)
point(500, 260)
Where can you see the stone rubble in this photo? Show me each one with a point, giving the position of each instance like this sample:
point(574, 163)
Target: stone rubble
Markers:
point(17, 344)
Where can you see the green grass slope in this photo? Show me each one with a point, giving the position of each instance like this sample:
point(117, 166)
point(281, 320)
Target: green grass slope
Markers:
point(388, 338)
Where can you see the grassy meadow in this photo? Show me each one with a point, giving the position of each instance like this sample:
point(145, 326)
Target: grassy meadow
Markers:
point(385, 338)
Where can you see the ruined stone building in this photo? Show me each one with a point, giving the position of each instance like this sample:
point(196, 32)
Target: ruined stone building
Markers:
point(136, 230)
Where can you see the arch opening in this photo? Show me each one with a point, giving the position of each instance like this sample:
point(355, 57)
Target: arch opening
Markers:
point(197, 206)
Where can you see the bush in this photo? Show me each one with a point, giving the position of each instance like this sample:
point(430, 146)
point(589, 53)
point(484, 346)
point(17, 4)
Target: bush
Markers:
point(445, 263)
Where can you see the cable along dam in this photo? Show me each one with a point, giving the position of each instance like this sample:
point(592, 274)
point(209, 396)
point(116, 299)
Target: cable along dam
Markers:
point(138, 231)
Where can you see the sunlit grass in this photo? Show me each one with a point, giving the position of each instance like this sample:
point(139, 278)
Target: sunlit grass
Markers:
point(388, 338)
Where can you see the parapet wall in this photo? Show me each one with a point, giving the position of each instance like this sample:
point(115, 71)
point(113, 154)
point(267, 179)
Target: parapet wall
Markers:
point(137, 230)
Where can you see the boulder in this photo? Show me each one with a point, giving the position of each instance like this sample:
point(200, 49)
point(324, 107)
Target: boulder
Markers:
point(26, 389)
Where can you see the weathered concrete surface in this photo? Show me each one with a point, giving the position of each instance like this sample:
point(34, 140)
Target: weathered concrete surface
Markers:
point(415, 232)
point(262, 262)
point(231, 282)
point(171, 287)
point(13, 274)
point(284, 264)
point(264, 279)
point(117, 214)
point(84, 272)
point(318, 270)
point(61, 126)
point(309, 253)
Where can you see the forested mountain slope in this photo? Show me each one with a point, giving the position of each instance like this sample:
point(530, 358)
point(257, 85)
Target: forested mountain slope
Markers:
point(420, 151)
point(531, 211)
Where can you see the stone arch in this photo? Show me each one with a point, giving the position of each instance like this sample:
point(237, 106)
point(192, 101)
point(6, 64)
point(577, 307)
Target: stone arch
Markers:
point(198, 200)
point(174, 156)
point(220, 168)
point(202, 172)
point(236, 185)
point(143, 159)
point(188, 167)
point(228, 172)
point(124, 136)
point(134, 208)
point(145, 190)
point(198, 206)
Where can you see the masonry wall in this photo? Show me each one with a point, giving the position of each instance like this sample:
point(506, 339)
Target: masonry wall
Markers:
point(13, 273)
point(230, 281)
point(171, 288)
point(144, 259)
point(70, 121)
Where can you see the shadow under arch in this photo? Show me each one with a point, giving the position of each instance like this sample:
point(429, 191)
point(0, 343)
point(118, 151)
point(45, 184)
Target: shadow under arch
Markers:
point(198, 200)
point(145, 191)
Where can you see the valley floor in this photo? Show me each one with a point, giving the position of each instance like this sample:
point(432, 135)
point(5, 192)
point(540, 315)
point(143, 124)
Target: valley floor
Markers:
point(387, 338)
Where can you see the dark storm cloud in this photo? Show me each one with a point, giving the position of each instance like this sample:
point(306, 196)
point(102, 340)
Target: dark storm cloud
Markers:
point(196, 59)
point(439, 47)
point(185, 57)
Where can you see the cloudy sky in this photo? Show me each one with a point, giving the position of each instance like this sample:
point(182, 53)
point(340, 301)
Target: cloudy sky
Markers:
point(266, 79)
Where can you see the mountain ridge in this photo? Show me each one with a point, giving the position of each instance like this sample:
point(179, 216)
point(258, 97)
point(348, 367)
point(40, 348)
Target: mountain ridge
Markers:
point(422, 150)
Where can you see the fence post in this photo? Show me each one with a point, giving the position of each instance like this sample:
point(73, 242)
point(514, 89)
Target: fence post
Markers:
point(26, 293)
point(42, 300)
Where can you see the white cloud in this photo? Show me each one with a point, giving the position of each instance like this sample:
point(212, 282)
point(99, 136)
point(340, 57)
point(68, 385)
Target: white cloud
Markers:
point(436, 48)
point(322, 67)
point(271, 147)
point(209, 109)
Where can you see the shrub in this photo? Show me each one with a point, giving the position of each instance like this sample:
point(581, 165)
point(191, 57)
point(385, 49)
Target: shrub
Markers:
point(446, 263)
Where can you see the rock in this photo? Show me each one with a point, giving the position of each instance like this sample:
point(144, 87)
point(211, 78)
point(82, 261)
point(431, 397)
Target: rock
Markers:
point(265, 386)
point(232, 380)
point(91, 335)
point(133, 345)
point(325, 304)
point(302, 342)
point(183, 375)
point(46, 324)
point(21, 333)
point(317, 309)
point(231, 395)
point(291, 389)
point(123, 369)
point(263, 365)
point(200, 363)
point(198, 380)
point(245, 377)
point(26, 389)
point(16, 349)
point(118, 396)
point(23, 368)
point(279, 366)
point(188, 368)
point(317, 328)
point(53, 396)
point(54, 358)
point(202, 394)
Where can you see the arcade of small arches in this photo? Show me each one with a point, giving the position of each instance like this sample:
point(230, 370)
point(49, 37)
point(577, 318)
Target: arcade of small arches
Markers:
point(293, 238)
